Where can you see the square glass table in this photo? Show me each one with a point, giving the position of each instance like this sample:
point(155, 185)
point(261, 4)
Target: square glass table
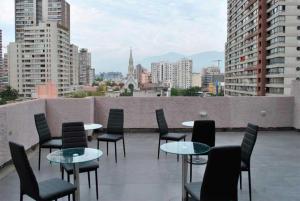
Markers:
point(75, 156)
point(185, 149)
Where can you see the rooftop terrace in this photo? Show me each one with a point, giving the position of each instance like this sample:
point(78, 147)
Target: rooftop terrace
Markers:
point(140, 176)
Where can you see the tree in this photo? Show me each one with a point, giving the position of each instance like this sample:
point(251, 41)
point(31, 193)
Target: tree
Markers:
point(9, 94)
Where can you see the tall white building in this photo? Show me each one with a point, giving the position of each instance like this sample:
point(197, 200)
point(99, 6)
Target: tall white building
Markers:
point(263, 47)
point(1, 58)
point(177, 75)
point(74, 66)
point(84, 66)
point(43, 56)
point(42, 52)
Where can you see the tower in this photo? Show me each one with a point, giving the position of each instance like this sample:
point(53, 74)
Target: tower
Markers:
point(130, 66)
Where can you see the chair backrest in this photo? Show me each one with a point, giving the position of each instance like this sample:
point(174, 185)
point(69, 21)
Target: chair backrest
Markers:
point(42, 127)
point(161, 121)
point(73, 135)
point(28, 181)
point(204, 131)
point(248, 142)
point(115, 124)
point(221, 174)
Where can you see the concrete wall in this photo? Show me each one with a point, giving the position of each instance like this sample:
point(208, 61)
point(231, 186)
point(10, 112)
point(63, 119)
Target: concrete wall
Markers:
point(17, 125)
point(62, 110)
point(228, 112)
point(296, 94)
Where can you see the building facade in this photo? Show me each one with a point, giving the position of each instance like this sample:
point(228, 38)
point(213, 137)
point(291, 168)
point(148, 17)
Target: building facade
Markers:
point(4, 72)
point(84, 66)
point(43, 56)
point(177, 75)
point(74, 66)
point(196, 80)
point(1, 58)
point(262, 49)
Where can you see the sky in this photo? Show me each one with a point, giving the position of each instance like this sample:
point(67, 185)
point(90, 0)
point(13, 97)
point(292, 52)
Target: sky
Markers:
point(108, 28)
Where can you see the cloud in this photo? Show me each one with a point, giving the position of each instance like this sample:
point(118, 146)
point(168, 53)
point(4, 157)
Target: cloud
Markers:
point(110, 27)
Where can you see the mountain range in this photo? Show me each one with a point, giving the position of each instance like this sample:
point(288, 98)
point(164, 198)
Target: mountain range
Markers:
point(200, 60)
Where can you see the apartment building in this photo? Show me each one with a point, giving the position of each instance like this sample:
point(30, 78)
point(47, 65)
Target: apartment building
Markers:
point(4, 72)
point(177, 75)
point(1, 58)
point(84, 66)
point(43, 56)
point(263, 47)
point(74, 65)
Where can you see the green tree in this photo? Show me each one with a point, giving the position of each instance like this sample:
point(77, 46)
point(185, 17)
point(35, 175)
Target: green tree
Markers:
point(9, 94)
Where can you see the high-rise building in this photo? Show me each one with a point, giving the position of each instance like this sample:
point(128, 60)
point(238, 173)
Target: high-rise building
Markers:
point(196, 80)
point(43, 56)
point(84, 66)
point(178, 74)
point(4, 72)
point(74, 65)
point(58, 11)
point(28, 13)
point(42, 52)
point(262, 49)
point(1, 58)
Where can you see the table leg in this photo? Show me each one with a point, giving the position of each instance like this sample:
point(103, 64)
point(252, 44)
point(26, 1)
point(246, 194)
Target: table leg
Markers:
point(77, 181)
point(89, 134)
point(184, 176)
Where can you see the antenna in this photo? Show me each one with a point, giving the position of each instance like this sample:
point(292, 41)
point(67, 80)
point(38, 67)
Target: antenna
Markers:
point(219, 61)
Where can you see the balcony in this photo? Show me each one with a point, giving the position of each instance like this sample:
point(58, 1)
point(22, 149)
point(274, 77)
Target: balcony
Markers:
point(140, 176)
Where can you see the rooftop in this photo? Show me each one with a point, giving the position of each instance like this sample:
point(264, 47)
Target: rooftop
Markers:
point(140, 176)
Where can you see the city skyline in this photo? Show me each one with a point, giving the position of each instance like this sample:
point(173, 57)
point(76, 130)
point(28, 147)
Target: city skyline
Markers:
point(154, 29)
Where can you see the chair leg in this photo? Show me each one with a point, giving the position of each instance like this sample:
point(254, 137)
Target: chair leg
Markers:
point(158, 150)
point(107, 148)
point(50, 150)
point(98, 145)
point(21, 196)
point(89, 179)
point(249, 179)
point(73, 195)
point(177, 158)
point(124, 147)
point(116, 151)
point(62, 174)
point(69, 197)
point(68, 177)
point(39, 158)
point(191, 168)
point(96, 178)
point(241, 180)
point(166, 142)
point(184, 139)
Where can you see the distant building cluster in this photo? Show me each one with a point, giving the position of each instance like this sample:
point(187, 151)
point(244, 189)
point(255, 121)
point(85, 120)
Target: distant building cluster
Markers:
point(113, 76)
point(212, 80)
point(42, 53)
point(177, 75)
point(3, 66)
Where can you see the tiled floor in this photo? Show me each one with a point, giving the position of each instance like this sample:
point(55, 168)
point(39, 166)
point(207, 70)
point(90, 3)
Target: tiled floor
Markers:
point(141, 177)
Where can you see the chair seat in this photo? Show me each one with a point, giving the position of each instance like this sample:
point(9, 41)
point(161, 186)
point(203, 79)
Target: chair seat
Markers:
point(54, 143)
point(110, 137)
point(55, 188)
point(173, 136)
point(194, 190)
point(244, 166)
point(83, 167)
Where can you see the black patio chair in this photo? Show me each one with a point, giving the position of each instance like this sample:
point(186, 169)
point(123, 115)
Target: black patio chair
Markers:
point(247, 146)
point(45, 139)
point(204, 131)
point(164, 131)
point(74, 136)
point(115, 130)
point(51, 189)
point(220, 178)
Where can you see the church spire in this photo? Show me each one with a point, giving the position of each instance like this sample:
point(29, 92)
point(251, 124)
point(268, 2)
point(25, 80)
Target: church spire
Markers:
point(130, 66)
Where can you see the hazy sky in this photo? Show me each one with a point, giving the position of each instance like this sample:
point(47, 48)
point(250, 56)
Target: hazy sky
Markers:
point(151, 27)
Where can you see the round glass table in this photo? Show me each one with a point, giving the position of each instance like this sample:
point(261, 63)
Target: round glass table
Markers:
point(185, 149)
point(188, 123)
point(75, 156)
point(89, 128)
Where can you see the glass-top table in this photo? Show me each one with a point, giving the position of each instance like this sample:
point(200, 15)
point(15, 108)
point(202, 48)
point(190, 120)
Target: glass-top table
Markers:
point(75, 156)
point(188, 123)
point(185, 149)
